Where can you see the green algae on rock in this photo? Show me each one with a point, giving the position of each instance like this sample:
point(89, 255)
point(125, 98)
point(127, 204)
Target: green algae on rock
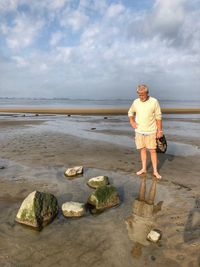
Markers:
point(98, 181)
point(102, 198)
point(37, 210)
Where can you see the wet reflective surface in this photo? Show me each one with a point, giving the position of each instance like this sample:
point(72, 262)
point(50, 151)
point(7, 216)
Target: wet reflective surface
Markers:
point(78, 241)
point(116, 130)
point(142, 220)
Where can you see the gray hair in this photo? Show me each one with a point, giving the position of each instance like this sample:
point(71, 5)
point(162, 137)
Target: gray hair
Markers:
point(142, 87)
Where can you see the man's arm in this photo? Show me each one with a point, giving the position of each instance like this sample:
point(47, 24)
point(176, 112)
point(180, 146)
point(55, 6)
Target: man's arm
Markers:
point(131, 114)
point(132, 122)
point(159, 128)
point(158, 115)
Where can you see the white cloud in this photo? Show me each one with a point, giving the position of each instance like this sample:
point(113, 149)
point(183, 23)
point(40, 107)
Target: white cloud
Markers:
point(21, 62)
point(57, 4)
point(114, 10)
point(8, 5)
point(62, 54)
point(108, 45)
point(56, 37)
point(23, 33)
point(99, 7)
point(75, 19)
point(168, 17)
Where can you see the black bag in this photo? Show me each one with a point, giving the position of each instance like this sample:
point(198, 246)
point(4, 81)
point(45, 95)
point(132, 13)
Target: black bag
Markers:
point(161, 144)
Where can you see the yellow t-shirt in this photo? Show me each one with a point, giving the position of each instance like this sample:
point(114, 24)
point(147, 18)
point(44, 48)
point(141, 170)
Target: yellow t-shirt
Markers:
point(146, 113)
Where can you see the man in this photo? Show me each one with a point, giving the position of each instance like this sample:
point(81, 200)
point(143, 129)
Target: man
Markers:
point(146, 118)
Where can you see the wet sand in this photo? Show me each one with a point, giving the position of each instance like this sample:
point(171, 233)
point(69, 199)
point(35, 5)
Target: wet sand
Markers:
point(93, 111)
point(34, 157)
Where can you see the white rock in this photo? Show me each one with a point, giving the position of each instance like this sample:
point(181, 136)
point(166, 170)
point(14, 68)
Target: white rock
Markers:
point(27, 205)
point(95, 182)
point(154, 236)
point(74, 171)
point(73, 209)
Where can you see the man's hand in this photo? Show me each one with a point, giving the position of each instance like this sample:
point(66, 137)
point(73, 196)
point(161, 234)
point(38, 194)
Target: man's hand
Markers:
point(132, 122)
point(159, 134)
point(134, 125)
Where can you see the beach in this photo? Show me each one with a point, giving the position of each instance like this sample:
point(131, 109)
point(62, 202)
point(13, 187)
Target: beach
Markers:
point(37, 148)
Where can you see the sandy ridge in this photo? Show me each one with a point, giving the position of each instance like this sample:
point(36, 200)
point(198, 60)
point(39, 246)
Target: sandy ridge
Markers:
point(94, 111)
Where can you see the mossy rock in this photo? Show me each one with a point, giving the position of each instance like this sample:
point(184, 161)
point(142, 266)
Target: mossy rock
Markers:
point(98, 181)
point(37, 210)
point(102, 198)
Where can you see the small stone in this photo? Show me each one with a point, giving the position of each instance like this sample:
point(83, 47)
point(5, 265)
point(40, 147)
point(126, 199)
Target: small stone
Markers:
point(73, 209)
point(74, 171)
point(98, 181)
point(2, 167)
point(93, 128)
point(154, 236)
point(105, 118)
point(153, 258)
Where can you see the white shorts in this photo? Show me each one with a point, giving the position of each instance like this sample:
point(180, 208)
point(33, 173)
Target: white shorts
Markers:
point(145, 140)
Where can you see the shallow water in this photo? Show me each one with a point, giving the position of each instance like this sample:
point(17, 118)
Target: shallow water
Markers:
point(95, 129)
point(115, 130)
point(88, 241)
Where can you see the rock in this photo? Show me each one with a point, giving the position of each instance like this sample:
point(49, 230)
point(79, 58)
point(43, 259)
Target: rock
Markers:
point(154, 236)
point(37, 210)
point(98, 181)
point(73, 209)
point(153, 258)
point(93, 128)
point(102, 198)
point(74, 171)
point(2, 167)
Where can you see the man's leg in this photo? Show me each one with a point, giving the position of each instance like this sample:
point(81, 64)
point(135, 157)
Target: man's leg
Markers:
point(142, 190)
point(154, 163)
point(152, 192)
point(143, 155)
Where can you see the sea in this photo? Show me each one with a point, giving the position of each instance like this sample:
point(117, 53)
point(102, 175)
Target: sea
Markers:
point(88, 103)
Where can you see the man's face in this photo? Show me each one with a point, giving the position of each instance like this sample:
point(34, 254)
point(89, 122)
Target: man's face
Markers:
point(143, 95)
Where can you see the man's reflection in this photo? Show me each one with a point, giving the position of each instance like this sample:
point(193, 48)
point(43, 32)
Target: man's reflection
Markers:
point(142, 220)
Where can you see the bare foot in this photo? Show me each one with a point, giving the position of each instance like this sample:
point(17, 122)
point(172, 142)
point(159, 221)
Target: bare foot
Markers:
point(157, 175)
point(142, 171)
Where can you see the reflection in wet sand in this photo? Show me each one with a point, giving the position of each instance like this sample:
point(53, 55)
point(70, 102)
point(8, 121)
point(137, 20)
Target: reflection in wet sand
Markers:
point(142, 220)
point(192, 228)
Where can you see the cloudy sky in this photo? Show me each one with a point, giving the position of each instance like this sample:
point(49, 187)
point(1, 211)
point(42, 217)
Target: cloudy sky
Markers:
point(99, 48)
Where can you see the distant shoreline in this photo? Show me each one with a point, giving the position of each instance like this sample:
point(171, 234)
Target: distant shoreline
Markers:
point(93, 111)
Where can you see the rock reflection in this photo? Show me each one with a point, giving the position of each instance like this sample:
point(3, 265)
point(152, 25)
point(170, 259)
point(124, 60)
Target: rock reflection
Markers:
point(142, 220)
